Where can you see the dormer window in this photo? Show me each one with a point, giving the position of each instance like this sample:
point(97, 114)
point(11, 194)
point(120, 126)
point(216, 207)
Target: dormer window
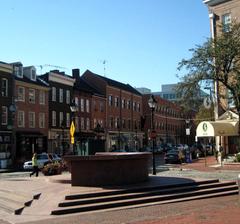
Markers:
point(18, 71)
point(33, 74)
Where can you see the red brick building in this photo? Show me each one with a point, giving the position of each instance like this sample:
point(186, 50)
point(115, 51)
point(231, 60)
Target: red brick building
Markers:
point(31, 119)
point(123, 112)
point(169, 121)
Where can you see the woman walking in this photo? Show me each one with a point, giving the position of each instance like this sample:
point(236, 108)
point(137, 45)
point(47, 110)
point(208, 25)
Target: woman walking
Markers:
point(35, 165)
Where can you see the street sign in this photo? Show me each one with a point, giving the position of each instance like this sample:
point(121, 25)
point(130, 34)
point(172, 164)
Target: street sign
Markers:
point(153, 134)
point(72, 140)
point(72, 129)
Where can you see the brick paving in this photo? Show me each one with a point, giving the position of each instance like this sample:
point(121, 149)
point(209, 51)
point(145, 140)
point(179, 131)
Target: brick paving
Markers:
point(220, 210)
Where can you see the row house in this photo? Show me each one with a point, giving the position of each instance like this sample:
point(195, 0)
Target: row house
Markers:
point(31, 117)
point(170, 123)
point(123, 112)
point(60, 116)
point(7, 112)
point(89, 117)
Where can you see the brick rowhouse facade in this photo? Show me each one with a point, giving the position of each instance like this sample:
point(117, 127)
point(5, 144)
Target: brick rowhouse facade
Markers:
point(123, 112)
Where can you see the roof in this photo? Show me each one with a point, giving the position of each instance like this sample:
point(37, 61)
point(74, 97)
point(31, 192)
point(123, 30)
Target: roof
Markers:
point(214, 2)
point(38, 81)
point(116, 84)
point(82, 85)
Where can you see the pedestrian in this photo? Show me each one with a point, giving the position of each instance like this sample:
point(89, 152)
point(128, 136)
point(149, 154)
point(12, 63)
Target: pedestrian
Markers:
point(34, 165)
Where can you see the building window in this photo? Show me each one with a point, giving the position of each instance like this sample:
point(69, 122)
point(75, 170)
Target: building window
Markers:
point(101, 106)
point(21, 93)
point(138, 107)
point(4, 115)
point(82, 123)
point(4, 87)
point(88, 124)
point(129, 124)
point(87, 106)
point(18, 71)
point(116, 101)
point(54, 118)
point(82, 105)
point(110, 122)
point(31, 117)
point(129, 104)
point(226, 21)
point(134, 106)
point(33, 74)
point(110, 100)
point(54, 94)
point(76, 119)
point(67, 96)
point(68, 120)
point(42, 97)
point(61, 95)
point(31, 95)
point(21, 119)
point(41, 120)
point(60, 118)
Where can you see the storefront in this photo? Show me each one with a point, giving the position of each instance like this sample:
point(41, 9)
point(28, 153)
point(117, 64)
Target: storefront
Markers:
point(5, 149)
point(226, 128)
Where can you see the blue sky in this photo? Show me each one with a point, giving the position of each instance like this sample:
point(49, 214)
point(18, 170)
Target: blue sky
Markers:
point(142, 41)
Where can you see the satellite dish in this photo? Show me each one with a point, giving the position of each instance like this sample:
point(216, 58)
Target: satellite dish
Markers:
point(207, 102)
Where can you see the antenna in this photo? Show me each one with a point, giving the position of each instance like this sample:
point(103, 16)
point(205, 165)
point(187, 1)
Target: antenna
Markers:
point(48, 65)
point(104, 66)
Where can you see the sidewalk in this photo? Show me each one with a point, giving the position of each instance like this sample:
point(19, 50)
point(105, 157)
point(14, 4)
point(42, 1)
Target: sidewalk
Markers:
point(221, 210)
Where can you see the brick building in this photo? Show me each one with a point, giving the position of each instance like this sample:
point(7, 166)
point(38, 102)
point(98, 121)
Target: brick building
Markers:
point(31, 118)
point(123, 112)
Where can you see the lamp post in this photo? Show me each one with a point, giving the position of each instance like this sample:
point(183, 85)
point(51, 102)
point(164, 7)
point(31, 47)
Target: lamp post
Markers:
point(166, 124)
point(63, 148)
point(152, 104)
point(73, 108)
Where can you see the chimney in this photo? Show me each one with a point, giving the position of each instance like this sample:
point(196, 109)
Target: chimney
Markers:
point(76, 73)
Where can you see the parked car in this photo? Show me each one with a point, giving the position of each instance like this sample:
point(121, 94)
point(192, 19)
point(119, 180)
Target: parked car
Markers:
point(42, 159)
point(174, 156)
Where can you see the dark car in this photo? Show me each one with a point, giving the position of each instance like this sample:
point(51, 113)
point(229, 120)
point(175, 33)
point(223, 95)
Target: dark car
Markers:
point(174, 156)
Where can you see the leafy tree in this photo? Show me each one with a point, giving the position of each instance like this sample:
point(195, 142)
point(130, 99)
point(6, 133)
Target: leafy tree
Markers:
point(216, 60)
point(204, 114)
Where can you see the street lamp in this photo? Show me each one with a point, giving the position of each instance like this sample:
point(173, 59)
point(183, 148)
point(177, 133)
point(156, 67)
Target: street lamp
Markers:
point(152, 104)
point(74, 109)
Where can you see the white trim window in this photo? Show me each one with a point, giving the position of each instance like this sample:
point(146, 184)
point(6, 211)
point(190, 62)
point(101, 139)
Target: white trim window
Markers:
point(21, 94)
point(21, 119)
point(88, 124)
point(4, 87)
point(4, 115)
point(42, 99)
point(31, 95)
point(68, 120)
point(18, 71)
point(82, 105)
point(54, 96)
point(226, 21)
point(87, 106)
point(60, 118)
point(82, 123)
point(54, 118)
point(67, 96)
point(60, 95)
point(31, 117)
point(41, 120)
point(33, 74)
point(110, 100)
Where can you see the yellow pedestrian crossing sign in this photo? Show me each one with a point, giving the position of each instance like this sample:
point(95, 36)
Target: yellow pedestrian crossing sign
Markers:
point(72, 140)
point(72, 129)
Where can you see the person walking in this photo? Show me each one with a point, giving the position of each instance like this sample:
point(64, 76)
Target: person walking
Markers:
point(35, 165)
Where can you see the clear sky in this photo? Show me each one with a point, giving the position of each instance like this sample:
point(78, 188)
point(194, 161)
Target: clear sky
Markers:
point(142, 41)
